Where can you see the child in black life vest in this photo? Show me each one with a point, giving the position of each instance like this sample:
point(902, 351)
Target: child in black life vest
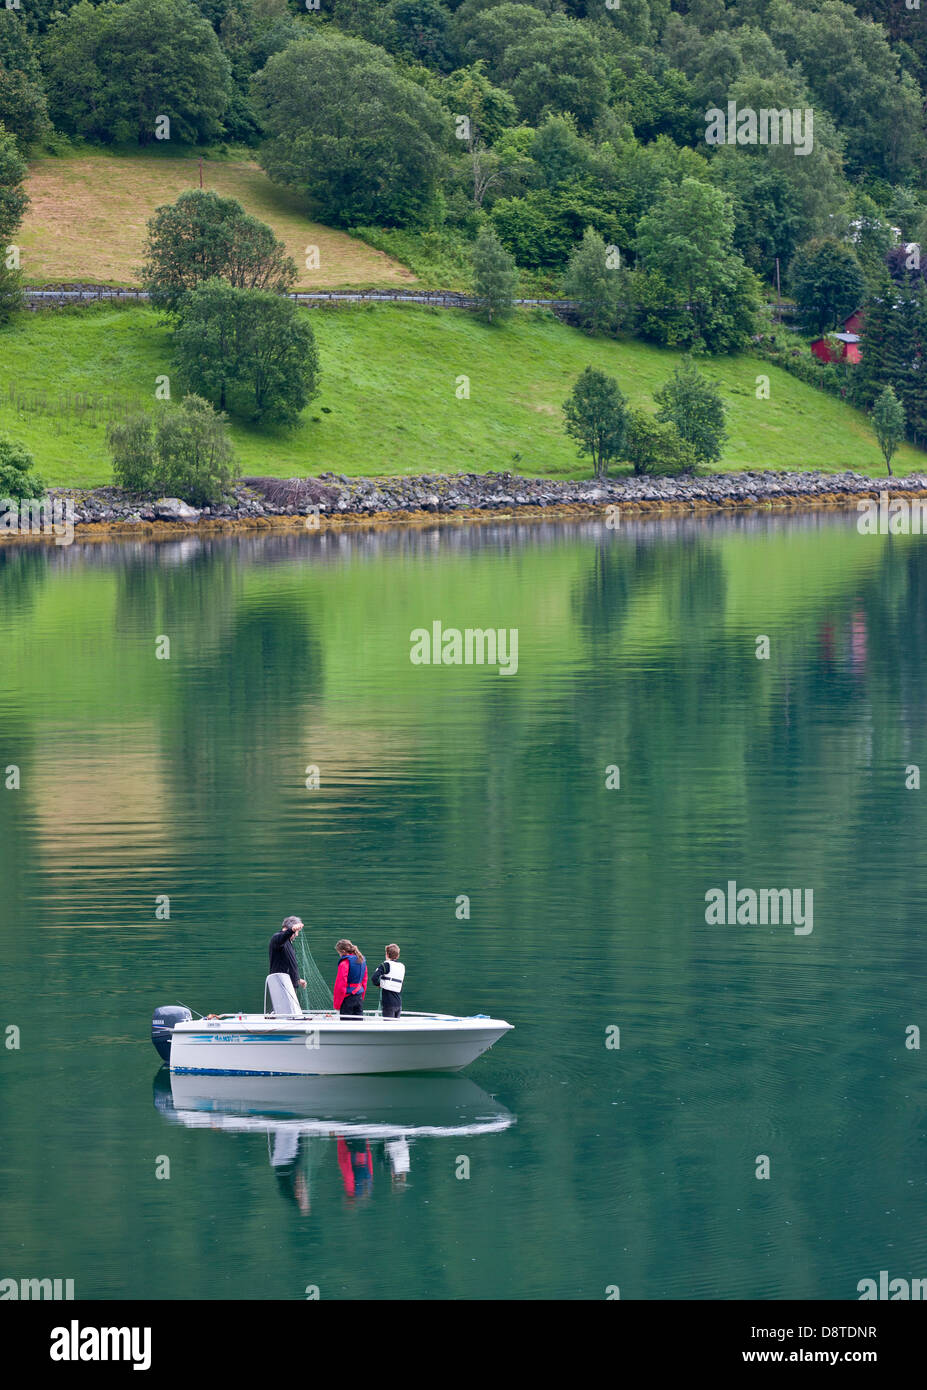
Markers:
point(388, 978)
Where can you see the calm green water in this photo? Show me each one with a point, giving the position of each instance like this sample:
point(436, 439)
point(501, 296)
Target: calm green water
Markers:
point(589, 1166)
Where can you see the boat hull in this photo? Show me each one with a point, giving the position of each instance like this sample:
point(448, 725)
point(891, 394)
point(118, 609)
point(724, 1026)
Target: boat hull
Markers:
point(327, 1045)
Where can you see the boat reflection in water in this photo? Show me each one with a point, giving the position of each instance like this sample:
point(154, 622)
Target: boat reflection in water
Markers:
point(362, 1114)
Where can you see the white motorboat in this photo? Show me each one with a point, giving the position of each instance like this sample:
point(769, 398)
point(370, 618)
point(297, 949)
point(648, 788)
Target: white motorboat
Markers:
point(320, 1043)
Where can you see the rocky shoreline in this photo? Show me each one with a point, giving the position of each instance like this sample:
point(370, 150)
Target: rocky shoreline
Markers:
point(335, 500)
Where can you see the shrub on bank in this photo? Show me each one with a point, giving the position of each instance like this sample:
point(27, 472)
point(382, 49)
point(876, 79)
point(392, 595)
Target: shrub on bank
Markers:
point(178, 451)
point(17, 479)
point(656, 446)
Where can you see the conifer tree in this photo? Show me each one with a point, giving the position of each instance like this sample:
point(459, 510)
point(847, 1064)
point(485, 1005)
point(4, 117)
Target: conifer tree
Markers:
point(874, 371)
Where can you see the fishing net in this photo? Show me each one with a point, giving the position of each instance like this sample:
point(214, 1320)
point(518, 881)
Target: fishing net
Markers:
point(318, 994)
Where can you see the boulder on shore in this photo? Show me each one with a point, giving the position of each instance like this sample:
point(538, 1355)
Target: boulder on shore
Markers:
point(173, 509)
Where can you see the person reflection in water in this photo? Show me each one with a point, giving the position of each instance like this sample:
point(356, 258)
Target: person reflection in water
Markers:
point(356, 1163)
point(396, 1152)
point(284, 1159)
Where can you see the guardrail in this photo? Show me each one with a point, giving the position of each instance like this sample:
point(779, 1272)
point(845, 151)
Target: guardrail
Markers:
point(447, 299)
point(442, 299)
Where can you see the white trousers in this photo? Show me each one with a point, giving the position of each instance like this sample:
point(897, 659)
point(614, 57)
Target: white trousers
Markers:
point(283, 998)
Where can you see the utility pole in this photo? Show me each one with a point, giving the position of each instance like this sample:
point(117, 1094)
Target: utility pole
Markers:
point(201, 185)
point(778, 289)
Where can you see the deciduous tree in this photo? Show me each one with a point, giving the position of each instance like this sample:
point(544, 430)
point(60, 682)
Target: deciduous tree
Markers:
point(247, 351)
point(203, 236)
point(13, 197)
point(114, 71)
point(596, 417)
point(23, 108)
point(828, 284)
point(691, 402)
point(593, 279)
point(685, 244)
point(495, 275)
point(363, 143)
point(888, 421)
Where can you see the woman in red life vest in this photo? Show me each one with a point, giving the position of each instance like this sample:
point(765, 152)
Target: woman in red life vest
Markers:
point(350, 981)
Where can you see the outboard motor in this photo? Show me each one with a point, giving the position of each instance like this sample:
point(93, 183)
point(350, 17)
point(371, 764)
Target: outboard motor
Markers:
point(163, 1022)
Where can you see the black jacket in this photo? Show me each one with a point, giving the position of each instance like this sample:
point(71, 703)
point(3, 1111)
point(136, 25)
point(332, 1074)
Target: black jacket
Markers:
point(283, 957)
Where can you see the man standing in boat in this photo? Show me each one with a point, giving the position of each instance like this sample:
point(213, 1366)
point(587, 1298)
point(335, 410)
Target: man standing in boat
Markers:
point(284, 972)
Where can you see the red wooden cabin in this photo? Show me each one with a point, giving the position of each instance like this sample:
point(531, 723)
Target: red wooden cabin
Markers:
point(848, 350)
point(848, 341)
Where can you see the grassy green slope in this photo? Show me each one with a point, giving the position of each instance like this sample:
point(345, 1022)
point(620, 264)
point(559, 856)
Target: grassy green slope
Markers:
point(389, 402)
